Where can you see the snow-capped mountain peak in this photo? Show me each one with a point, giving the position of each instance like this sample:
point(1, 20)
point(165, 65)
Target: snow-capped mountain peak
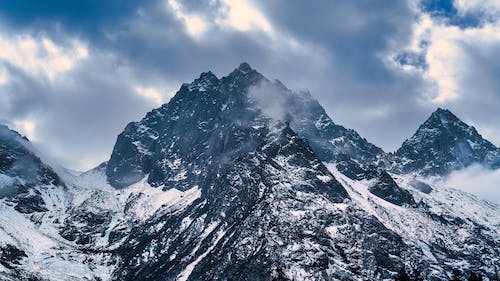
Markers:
point(241, 178)
point(444, 143)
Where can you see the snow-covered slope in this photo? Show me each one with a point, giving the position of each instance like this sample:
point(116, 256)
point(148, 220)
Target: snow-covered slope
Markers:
point(454, 229)
point(62, 229)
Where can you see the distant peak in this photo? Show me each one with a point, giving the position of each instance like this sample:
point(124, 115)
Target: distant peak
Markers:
point(245, 67)
point(444, 114)
point(244, 72)
point(7, 133)
point(206, 81)
point(443, 111)
point(208, 76)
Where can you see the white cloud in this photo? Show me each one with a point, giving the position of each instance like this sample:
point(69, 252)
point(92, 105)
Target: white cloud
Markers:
point(447, 56)
point(26, 128)
point(477, 180)
point(40, 57)
point(242, 15)
point(151, 93)
point(4, 76)
point(270, 99)
point(195, 25)
point(446, 53)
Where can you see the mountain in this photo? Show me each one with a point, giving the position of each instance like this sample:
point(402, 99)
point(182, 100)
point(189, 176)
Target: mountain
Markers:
point(210, 108)
point(21, 170)
point(256, 176)
point(443, 143)
point(239, 178)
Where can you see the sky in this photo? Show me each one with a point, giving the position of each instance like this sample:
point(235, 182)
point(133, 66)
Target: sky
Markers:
point(74, 73)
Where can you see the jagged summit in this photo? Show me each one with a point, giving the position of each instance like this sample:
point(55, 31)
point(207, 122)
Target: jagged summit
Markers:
point(20, 170)
point(244, 99)
point(7, 134)
point(245, 67)
point(444, 143)
point(444, 116)
point(208, 76)
point(205, 82)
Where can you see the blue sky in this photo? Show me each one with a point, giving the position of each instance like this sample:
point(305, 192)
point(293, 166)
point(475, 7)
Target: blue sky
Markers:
point(74, 73)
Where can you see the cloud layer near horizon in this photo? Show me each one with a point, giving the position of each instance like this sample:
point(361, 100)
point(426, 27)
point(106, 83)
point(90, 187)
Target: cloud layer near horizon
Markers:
point(477, 180)
point(74, 73)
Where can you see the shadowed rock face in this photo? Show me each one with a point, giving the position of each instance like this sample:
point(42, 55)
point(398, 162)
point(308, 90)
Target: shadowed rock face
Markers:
point(10, 256)
point(443, 144)
point(386, 188)
point(259, 211)
point(20, 171)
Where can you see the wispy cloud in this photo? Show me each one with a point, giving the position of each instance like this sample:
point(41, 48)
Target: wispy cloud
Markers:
point(476, 179)
point(41, 56)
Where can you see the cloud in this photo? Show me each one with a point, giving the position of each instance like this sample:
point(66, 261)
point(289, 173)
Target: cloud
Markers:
point(447, 52)
point(477, 180)
point(270, 99)
point(243, 16)
point(76, 118)
point(26, 128)
point(151, 93)
point(40, 56)
point(4, 77)
point(195, 24)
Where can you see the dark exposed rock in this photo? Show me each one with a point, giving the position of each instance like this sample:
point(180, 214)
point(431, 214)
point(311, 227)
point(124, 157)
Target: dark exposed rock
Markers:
point(386, 188)
point(443, 144)
point(11, 256)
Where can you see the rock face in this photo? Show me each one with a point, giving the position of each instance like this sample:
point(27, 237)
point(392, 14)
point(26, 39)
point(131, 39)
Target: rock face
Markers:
point(386, 188)
point(443, 144)
point(20, 171)
point(240, 178)
point(252, 220)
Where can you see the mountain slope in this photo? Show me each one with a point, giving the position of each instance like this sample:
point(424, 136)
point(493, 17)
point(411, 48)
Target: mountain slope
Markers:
point(443, 143)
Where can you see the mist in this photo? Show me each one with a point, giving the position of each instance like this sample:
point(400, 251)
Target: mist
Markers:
point(270, 99)
point(478, 180)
